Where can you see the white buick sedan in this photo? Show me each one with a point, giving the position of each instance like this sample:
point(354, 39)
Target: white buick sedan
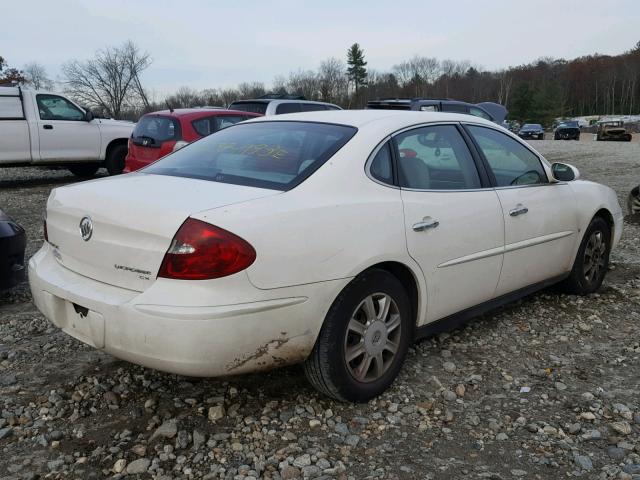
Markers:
point(331, 238)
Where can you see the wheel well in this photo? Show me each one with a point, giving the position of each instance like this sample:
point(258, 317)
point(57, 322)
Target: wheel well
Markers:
point(408, 280)
point(607, 217)
point(113, 144)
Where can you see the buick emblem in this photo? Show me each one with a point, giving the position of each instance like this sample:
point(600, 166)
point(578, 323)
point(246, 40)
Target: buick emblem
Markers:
point(86, 228)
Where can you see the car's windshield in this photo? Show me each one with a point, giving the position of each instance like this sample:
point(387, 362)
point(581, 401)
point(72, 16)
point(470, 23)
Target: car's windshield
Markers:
point(276, 155)
point(568, 124)
point(531, 126)
point(254, 107)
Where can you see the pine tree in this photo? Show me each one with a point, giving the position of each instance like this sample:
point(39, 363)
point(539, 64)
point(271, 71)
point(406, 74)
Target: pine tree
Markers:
point(356, 71)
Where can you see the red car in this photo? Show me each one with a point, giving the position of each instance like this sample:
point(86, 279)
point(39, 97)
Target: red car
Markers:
point(159, 133)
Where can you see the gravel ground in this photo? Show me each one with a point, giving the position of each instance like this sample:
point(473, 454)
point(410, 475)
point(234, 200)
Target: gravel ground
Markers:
point(547, 388)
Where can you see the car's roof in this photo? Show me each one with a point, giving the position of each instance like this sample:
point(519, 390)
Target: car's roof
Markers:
point(279, 100)
point(359, 118)
point(191, 113)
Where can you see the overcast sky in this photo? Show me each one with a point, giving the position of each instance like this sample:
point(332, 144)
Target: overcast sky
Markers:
point(204, 44)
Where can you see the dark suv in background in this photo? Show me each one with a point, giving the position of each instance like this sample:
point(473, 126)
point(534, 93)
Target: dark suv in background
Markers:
point(567, 130)
point(531, 131)
point(274, 104)
point(487, 110)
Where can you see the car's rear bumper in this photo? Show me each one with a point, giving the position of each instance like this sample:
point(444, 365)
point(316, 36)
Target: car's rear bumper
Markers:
point(12, 245)
point(132, 164)
point(169, 329)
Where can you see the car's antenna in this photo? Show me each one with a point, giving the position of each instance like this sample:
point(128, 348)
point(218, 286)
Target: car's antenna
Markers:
point(169, 106)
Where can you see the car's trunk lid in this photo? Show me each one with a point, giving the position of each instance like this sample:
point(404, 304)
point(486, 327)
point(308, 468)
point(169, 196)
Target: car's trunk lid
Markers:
point(133, 220)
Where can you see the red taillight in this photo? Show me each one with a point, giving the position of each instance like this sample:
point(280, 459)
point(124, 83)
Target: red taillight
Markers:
point(201, 251)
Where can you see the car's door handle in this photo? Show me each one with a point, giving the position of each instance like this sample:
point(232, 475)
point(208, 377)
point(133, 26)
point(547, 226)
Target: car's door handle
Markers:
point(47, 127)
point(426, 224)
point(519, 210)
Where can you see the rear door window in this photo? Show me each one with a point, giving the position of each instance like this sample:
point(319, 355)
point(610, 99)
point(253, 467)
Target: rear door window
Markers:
point(454, 107)
point(253, 107)
point(312, 107)
point(478, 112)
point(153, 130)
point(276, 155)
point(290, 107)
point(435, 158)
point(511, 162)
point(206, 126)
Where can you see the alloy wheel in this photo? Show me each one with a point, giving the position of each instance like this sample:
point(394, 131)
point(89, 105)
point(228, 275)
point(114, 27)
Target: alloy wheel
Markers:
point(373, 337)
point(594, 256)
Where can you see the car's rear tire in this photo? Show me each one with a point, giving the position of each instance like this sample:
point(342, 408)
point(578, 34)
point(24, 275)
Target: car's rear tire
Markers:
point(115, 161)
point(364, 339)
point(592, 260)
point(84, 170)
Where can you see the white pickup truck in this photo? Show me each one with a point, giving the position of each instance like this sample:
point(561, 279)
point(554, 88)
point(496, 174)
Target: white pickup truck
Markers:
point(42, 128)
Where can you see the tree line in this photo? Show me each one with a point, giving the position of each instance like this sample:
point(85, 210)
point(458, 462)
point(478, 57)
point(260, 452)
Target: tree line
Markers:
point(111, 82)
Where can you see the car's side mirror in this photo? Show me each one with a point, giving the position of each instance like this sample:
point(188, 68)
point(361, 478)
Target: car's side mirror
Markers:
point(563, 172)
point(88, 115)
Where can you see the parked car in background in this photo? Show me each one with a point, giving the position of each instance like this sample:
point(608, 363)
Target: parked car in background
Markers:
point(160, 133)
point(488, 110)
point(612, 131)
point(567, 130)
point(43, 128)
point(530, 131)
point(280, 104)
point(13, 241)
point(329, 238)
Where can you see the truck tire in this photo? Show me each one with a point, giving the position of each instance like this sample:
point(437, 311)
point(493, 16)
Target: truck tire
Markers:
point(84, 170)
point(116, 159)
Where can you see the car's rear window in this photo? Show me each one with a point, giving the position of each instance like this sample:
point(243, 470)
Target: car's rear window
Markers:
point(152, 130)
point(276, 155)
point(254, 107)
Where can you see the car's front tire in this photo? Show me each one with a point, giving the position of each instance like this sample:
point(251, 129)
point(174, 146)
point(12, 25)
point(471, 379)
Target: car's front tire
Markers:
point(364, 339)
point(592, 260)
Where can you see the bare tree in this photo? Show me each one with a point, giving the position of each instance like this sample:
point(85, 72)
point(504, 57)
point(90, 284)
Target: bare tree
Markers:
point(251, 90)
point(228, 95)
point(279, 85)
point(332, 80)
point(417, 73)
point(304, 82)
point(111, 80)
point(184, 97)
point(36, 76)
point(506, 80)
